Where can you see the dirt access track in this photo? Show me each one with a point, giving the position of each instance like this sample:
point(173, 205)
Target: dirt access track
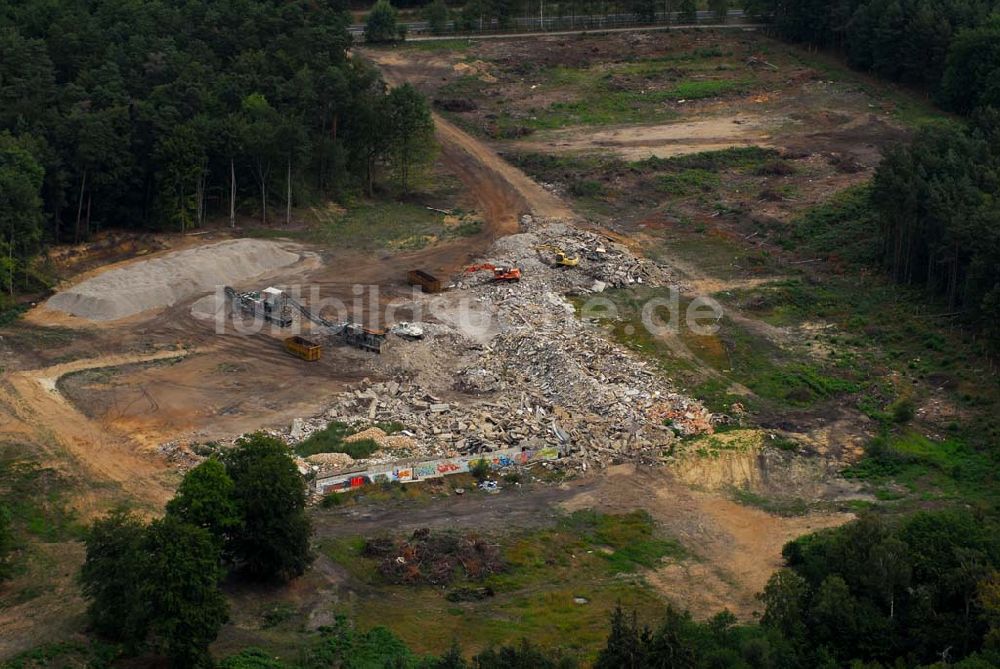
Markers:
point(177, 376)
point(215, 385)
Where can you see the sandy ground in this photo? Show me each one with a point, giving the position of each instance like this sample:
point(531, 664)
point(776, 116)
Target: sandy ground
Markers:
point(735, 548)
point(662, 141)
point(87, 449)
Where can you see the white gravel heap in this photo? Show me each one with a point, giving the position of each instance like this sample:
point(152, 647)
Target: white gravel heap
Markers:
point(165, 280)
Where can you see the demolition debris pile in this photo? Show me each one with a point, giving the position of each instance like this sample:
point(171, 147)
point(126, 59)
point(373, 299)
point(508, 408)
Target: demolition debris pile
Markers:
point(435, 558)
point(533, 376)
point(545, 379)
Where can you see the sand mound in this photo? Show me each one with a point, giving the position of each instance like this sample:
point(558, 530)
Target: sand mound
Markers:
point(163, 281)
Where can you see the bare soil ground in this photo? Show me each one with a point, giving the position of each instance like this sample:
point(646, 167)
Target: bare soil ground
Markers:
point(96, 401)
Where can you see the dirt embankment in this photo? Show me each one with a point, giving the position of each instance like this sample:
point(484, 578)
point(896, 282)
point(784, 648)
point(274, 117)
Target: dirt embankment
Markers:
point(82, 448)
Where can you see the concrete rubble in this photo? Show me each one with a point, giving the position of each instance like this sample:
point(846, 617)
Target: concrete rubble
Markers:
point(535, 376)
point(542, 378)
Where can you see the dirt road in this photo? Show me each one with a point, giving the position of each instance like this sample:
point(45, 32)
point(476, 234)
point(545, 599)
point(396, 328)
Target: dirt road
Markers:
point(75, 444)
point(501, 189)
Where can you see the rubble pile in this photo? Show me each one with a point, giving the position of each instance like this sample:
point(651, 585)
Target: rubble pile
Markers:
point(545, 379)
point(603, 262)
point(533, 376)
point(399, 442)
point(435, 558)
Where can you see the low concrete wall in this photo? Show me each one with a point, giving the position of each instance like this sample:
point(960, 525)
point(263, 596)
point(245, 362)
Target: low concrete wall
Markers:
point(430, 469)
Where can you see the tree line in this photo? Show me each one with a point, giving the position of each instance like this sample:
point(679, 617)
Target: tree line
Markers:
point(938, 218)
point(157, 114)
point(919, 592)
point(949, 46)
point(381, 23)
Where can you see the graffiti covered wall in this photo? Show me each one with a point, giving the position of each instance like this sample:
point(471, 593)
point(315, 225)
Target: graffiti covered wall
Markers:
point(430, 469)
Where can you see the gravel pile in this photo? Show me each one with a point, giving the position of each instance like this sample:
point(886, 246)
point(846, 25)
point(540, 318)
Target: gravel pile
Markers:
point(165, 280)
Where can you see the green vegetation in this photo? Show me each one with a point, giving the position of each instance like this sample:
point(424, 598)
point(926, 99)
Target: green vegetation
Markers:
point(156, 586)
point(936, 231)
point(947, 45)
point(205, 499)
point(777, 506)
point(840, 229)
point(585, 555)
point(436, 15)
point(630, 537)
point(375, 224)
point(93, 654)
point(776, 377)
point(331, 440)
point(687, 182)
point(744, 158)
point(21, 214)
point(270, 495)
point(224, 119)
point(947, 470)
point(381, 24)
point(162, 580)
point(600, 98)
point(34, 500)
point(866, 594)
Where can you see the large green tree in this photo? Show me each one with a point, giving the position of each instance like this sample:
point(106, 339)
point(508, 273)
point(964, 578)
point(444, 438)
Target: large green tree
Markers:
point(411, 131)
point(381, 24)
point(181, 587)
point(270, 494)
point(111, 578)
point(972, 71)
point(205, 499)
point(21, 216)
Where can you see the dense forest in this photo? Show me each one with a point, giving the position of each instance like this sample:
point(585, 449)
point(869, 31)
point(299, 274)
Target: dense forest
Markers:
point(935, 200)
point(952, 47)
point(156, 114)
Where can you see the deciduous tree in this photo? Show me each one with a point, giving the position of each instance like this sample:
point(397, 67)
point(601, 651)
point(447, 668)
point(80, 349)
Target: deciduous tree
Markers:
point(270, 494)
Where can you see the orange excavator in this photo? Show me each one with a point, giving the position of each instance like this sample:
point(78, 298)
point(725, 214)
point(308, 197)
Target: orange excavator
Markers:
point(500, 273)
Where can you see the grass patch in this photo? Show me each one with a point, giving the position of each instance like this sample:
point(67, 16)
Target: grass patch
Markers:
point(373, 224)
point(746, 158)
point(585, 555)
point(630, 537)
point(331, 440)
point(457, 44)
point(35, 498)
point(709, 88)
point(945, 469)
point(604, 107)
point(10, 313)
point(842, 229)
point(687, 182)
point(785, 507)
point(94, 654)
point(735, 354)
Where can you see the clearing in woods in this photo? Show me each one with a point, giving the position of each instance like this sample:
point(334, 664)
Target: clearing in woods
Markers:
point(693, 147)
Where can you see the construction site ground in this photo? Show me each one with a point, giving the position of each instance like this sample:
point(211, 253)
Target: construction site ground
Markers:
point(552, 128)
